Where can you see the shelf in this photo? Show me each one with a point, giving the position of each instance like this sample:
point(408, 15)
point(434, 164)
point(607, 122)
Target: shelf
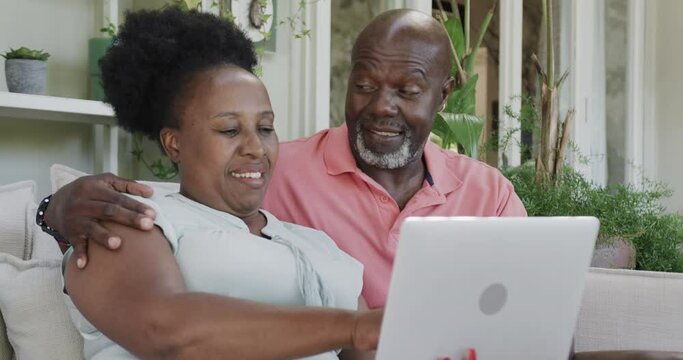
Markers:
point(51, 108)
point(26, 106)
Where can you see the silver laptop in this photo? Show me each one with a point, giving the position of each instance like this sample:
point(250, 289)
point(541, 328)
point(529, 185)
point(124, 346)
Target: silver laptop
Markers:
point(508, 287)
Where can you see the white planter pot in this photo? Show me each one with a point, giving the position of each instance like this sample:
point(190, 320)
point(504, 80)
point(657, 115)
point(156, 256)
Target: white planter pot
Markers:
point(26, 76)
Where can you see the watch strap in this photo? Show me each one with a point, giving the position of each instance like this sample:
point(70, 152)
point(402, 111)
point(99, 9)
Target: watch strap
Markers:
point(40, 218)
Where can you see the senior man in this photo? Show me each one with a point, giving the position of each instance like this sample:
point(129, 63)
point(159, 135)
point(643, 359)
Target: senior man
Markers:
point(357, 182)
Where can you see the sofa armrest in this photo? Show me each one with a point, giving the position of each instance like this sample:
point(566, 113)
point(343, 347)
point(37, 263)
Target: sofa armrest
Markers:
point(631, 310)
point(628, 355)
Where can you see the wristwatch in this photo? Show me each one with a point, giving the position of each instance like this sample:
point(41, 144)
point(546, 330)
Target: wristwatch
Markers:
point(40, 218)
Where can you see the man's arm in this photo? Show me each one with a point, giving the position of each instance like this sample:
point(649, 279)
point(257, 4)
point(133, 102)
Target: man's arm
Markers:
point(136, 296)
point(76, 210)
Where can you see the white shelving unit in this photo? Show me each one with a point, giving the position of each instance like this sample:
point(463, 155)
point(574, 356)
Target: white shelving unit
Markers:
point(51, 108)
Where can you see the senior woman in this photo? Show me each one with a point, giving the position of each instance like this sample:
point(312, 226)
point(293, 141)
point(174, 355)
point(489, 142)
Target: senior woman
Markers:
point(218, 277)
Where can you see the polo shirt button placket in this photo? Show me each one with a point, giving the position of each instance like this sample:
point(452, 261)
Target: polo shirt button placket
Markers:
point(383, 198)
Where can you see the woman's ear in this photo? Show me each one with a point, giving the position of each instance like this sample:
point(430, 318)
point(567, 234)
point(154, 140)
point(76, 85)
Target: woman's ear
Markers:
point(169, 141)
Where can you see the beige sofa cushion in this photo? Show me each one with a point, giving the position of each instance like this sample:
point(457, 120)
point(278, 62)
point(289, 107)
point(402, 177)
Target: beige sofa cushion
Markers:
point(15, 230)
point(36, 323)
point(61, 175)
point(36, 317)
point(6, 351)
point(15, 235)
point(631, 310)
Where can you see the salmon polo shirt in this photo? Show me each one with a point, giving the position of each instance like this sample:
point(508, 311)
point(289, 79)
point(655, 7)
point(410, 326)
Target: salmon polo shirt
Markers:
point(316, 183)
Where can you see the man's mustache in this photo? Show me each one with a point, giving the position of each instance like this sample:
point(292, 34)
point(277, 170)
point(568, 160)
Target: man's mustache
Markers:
point(385, 122)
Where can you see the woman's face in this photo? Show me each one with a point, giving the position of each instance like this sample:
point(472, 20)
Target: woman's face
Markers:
point(225, 145)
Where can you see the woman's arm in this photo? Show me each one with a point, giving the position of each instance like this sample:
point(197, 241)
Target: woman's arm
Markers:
point(355, 354)
point(136, 296)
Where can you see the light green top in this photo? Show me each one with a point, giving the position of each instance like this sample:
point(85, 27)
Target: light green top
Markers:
point(216, 253)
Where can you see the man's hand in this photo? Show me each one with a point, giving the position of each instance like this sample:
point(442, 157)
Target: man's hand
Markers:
point(76, 209)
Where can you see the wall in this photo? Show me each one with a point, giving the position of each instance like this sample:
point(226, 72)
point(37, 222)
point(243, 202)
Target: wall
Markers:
point(29, 147)
point(669, 90)
point(63, 27)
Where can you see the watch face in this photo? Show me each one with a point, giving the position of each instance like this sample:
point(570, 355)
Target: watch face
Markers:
point(255, 17)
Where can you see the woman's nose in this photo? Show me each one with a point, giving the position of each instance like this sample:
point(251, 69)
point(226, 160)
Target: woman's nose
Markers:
point(253, 145)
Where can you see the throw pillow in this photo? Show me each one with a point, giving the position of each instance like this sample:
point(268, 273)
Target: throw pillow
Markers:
point(15, 229)
point(61, 175)
point(6, 351)
point(37, 320)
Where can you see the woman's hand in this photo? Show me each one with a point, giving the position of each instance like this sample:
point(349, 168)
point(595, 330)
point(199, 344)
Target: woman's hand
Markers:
point(365, 334)
point(471, 355)
point(76, 210)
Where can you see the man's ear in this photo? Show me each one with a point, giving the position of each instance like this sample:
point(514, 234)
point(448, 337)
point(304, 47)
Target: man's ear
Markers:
point(446, 91)
point(170, 143)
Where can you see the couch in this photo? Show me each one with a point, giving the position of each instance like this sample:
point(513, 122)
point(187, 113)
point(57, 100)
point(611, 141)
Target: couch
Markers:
point(621, 309)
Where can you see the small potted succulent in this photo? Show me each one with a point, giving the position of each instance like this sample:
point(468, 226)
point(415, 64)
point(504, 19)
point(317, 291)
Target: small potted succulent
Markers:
point(25, 70)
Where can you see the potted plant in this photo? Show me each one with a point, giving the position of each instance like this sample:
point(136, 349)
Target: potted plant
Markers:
point(636, 232)
point(25, 70)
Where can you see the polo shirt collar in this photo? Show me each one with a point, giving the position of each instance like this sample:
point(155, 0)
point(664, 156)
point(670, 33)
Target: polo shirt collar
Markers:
point(337, 153)
point(339, 159)
point(440, 166)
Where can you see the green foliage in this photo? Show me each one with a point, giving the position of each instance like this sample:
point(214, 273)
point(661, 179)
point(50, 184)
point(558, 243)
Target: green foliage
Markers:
point(461, 104)
point(188, 5)
point(26, 54)
point(296, 22)
point(624, 212)
point(456, 33)
point(110, 29)
point(459, 129)
point(159, 168)
point(462, 99)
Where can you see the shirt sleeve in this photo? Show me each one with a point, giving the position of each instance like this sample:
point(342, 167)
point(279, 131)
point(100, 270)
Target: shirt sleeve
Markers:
point(510, 204)
point(161, 220)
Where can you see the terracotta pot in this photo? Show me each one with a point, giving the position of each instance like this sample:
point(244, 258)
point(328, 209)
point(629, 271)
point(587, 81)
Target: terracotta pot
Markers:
point(614, 254)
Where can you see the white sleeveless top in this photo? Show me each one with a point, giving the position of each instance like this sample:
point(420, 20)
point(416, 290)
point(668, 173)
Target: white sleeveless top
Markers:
point(217, 254)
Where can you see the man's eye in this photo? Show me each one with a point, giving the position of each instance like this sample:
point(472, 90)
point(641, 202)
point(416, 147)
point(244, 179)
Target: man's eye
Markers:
point(267, 130)
point(229, 132)
point(410, 92)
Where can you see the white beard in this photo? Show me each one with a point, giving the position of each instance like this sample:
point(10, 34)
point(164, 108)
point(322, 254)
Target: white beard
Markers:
point(393, 160)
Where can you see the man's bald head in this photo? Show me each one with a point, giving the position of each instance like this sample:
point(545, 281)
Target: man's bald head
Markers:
point(405, 25)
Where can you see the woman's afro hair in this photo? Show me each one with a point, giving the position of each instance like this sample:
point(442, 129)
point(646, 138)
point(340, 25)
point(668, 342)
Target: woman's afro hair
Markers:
point(156, 53)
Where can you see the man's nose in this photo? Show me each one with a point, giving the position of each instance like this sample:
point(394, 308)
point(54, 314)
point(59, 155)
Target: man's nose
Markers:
point(383, 104)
